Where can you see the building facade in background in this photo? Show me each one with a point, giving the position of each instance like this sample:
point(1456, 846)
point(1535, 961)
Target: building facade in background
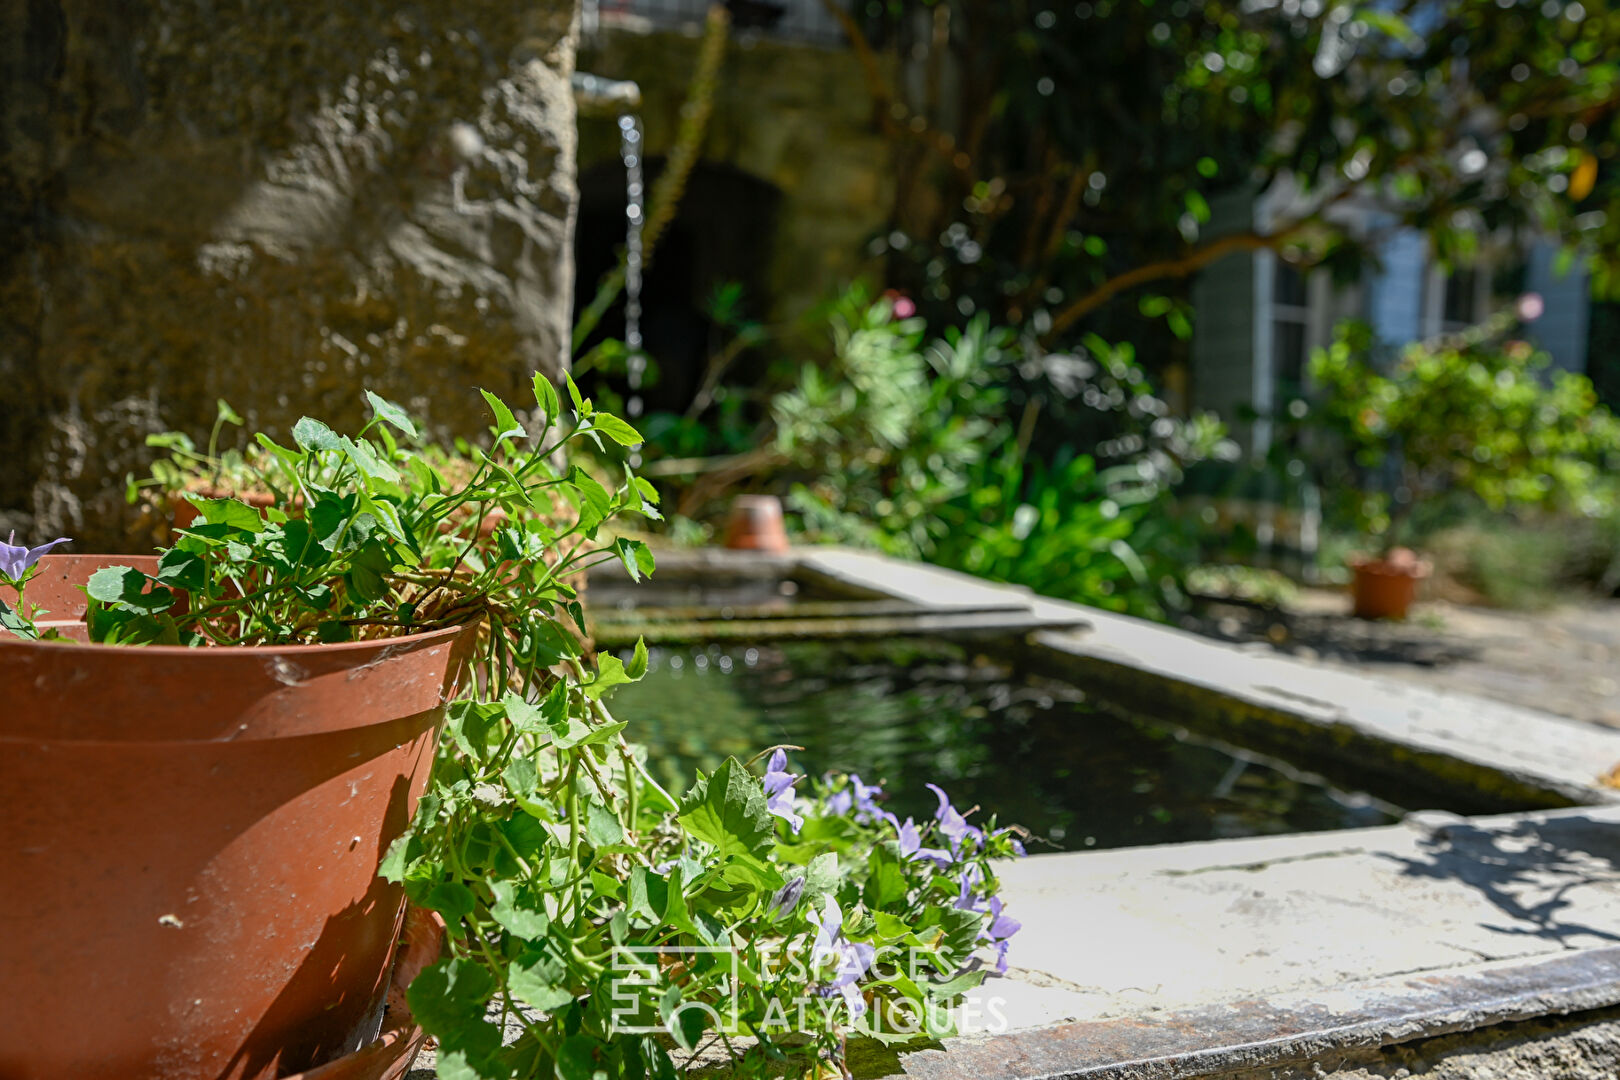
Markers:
point(1260, 318)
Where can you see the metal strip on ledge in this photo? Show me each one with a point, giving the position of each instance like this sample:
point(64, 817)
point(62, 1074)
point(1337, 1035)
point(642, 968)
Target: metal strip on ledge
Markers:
point(1285, 1028)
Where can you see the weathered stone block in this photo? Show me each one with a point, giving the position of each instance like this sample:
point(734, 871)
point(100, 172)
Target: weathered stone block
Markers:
point(276, 204)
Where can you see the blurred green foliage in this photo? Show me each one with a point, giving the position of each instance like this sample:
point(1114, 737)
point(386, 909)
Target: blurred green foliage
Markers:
point(1057, 161)
point(1480, 412)
point(921, 446)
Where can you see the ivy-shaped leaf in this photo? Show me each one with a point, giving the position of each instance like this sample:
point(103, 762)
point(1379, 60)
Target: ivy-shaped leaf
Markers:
point(386, 410)
point(728, 810)
point(506, 424)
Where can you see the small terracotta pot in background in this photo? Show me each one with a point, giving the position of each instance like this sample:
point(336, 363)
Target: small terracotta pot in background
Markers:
point(191, 840)
point(1385, 588)
point(756, 524)
point(182, 513)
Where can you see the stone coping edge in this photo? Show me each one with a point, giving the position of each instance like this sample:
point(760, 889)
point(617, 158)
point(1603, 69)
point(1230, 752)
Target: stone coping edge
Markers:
point(1284, 1028)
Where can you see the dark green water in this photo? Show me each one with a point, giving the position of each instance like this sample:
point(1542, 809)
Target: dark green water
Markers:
point(909, 712)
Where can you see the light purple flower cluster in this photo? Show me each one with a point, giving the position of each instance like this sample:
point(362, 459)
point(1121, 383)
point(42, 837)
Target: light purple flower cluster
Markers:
point(965, 842)
point(1000, 928)
point(858, 796)
point(911, 844)
point(15, 558)
point(779, 795)
point(850, 960)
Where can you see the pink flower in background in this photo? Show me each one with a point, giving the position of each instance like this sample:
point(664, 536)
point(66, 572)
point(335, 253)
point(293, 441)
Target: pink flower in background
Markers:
point(1530, 307)
point(902, 306)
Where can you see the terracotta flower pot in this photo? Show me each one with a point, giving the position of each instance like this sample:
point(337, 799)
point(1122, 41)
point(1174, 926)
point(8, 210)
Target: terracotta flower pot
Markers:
point(1385, 588)
point(756, 524)
point(190, 841)
point(390, 1055)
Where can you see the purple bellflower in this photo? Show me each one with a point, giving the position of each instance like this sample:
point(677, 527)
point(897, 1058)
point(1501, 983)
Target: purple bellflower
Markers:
point(952, 824)
point(866, 807)
point(858, 797)
point(850, 960)
point(15, 559)
point(779, 796)
point(911, 843)
point(965, 900)
point(1001, 929)
point(786, 900)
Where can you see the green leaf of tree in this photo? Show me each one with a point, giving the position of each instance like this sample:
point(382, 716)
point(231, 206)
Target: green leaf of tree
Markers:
point(885, 879)
point(182, 569)
point(311, 434)
point(602, 826)
point(609, 673)
point(539, 977)
point(231, 513)
point(519, 910)
point(125, 587)
point(638, 661)
point(545, 395)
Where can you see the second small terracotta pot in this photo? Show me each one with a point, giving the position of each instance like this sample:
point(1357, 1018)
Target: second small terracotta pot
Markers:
point(182, 513)
point(1385, 588)
point(756, 524)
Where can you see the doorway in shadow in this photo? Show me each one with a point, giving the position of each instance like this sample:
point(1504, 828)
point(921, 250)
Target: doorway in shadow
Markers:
point(722, 233)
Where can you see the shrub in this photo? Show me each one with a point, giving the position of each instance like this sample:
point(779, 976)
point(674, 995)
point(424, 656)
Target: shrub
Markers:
point(1479, 413)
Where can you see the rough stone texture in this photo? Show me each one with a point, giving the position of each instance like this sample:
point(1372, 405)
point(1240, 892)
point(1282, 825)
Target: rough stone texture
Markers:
point(795, 116)
point(275, 204)
point(1584, 1047)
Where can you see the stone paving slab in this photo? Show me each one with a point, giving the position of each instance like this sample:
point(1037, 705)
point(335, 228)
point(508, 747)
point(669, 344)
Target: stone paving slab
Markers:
point(1114, 933)
point(1512, 755)
point(1303, 1031)
point(1196, 958)
point(926, 586)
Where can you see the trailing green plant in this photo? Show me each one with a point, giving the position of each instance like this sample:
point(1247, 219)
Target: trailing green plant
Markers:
point(1073, 531)
point(598, 925)
point(1479, 412)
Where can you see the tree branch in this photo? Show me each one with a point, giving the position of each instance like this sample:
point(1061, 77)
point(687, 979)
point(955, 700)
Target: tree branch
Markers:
point(1194, 260)
point(894, 119)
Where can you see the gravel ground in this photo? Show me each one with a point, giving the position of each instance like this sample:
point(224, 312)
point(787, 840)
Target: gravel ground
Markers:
point(1565, 661)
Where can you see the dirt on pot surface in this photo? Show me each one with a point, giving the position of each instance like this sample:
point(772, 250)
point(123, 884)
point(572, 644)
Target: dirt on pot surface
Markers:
point(1565, 660)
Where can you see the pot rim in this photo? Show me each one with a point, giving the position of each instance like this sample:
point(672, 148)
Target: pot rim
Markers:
point(333, 648)
point(324, 648)
point(1382, 567)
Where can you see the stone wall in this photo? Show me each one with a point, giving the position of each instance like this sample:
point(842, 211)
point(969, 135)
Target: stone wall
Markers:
point(795, 116)
point(273, 203)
